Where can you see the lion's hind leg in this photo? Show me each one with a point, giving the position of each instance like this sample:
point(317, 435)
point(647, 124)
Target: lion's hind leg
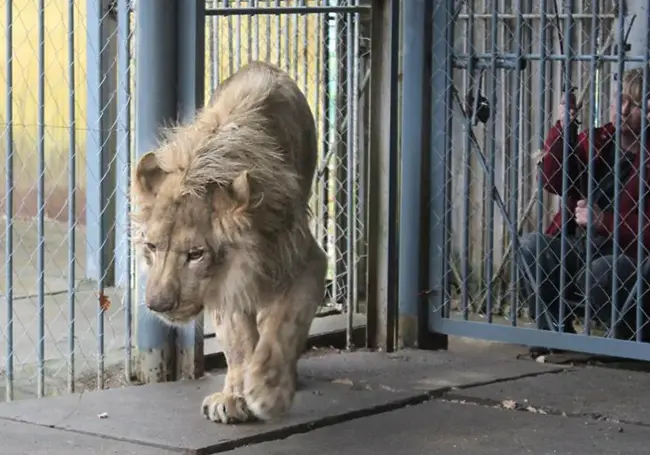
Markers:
point(237, 333)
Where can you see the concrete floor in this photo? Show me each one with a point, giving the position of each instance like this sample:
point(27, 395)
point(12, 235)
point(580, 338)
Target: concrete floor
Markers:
point(474, 400)
point(56, 312)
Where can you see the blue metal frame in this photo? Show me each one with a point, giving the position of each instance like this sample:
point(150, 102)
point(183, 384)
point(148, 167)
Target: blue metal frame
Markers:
point(155, 48)
point(535, 337)
point(123, 157)
point(100, 143)
point(440, 142)
point(414, 182)
point(191, 93)
point(413, 21)
point(170, 49)
point(442, 111)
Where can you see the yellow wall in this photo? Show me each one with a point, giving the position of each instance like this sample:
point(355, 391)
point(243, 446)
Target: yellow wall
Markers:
point(299, 36)
point(56, 112)
point(25, 88)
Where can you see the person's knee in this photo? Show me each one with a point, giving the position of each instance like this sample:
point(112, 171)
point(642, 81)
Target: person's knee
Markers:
point(601, 289)
point(600, 286)
point(602, 270)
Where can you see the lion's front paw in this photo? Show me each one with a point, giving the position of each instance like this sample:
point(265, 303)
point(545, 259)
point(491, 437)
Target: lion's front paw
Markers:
point(224, 408)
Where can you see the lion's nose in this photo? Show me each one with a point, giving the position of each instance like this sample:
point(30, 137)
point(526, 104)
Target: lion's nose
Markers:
point(160, 303)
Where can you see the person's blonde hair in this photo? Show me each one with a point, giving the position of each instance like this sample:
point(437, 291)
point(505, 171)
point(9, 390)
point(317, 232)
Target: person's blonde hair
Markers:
point(632, 85)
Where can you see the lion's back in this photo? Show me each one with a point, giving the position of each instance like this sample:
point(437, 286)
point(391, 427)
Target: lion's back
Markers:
point(264, 88)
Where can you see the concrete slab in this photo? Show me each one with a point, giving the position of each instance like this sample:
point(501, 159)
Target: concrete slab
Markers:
point(449, 429)
point(26, 439)
point(25, 289)
point(336, 387)
point(56, 339)
point(421, 370)
point(168, 415)
point(602, 392)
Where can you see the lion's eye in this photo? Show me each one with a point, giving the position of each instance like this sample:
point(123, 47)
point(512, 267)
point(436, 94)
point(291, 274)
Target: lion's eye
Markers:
point(194, 255)
point(150, 246)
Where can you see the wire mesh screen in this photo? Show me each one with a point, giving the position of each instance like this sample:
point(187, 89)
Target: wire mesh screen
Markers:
point(66, 151)
point(542, 208)
point(68, 148)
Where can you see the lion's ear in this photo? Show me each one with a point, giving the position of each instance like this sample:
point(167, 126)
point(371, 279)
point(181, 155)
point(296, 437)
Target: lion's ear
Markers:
point(149, 176)
point(241, 191)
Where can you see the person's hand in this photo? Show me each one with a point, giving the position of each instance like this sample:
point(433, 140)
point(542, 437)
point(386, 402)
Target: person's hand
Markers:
point(573, 109)
point(582, 214)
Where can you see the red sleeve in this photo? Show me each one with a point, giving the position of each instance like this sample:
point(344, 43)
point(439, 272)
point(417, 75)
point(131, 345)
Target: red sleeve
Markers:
point(553, 157)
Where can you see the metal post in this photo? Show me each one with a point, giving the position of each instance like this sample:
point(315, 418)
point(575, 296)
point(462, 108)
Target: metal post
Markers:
point(40, 197)
point(414, 77)
point(123, 152)
point(191, 88)
point(382, 194)
point(342, 233)
point(324, 176)
point(636, 10)
point(618, 186)
point(363, 153)
point(155, 53)
point(72, 198)
point(9, 204)
point(351, 176)
point(631, 26)
point(123, 250)
point(101, 75)
point(440, 135)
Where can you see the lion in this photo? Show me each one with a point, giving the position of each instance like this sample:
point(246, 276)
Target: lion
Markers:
point(222, 223)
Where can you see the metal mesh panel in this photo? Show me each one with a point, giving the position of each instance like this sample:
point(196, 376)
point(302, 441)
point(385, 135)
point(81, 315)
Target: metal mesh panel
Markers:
point(68, 147)
point(538, 218)
point(65, 148)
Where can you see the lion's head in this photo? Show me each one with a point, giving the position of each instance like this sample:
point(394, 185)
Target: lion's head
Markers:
point(188, 239)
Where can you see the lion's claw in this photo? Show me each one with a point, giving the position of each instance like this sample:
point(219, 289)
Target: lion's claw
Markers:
point(223, 408)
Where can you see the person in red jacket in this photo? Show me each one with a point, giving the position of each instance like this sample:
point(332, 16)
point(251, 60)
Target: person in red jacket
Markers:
point(549, 257)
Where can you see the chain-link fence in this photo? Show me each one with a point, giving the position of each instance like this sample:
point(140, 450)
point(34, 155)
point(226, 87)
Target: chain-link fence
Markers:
point(66, 153)
point(539, 217)
point(68, 145)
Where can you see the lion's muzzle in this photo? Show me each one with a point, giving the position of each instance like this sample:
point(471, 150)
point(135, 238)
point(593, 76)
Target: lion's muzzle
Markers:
point(159, 302)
